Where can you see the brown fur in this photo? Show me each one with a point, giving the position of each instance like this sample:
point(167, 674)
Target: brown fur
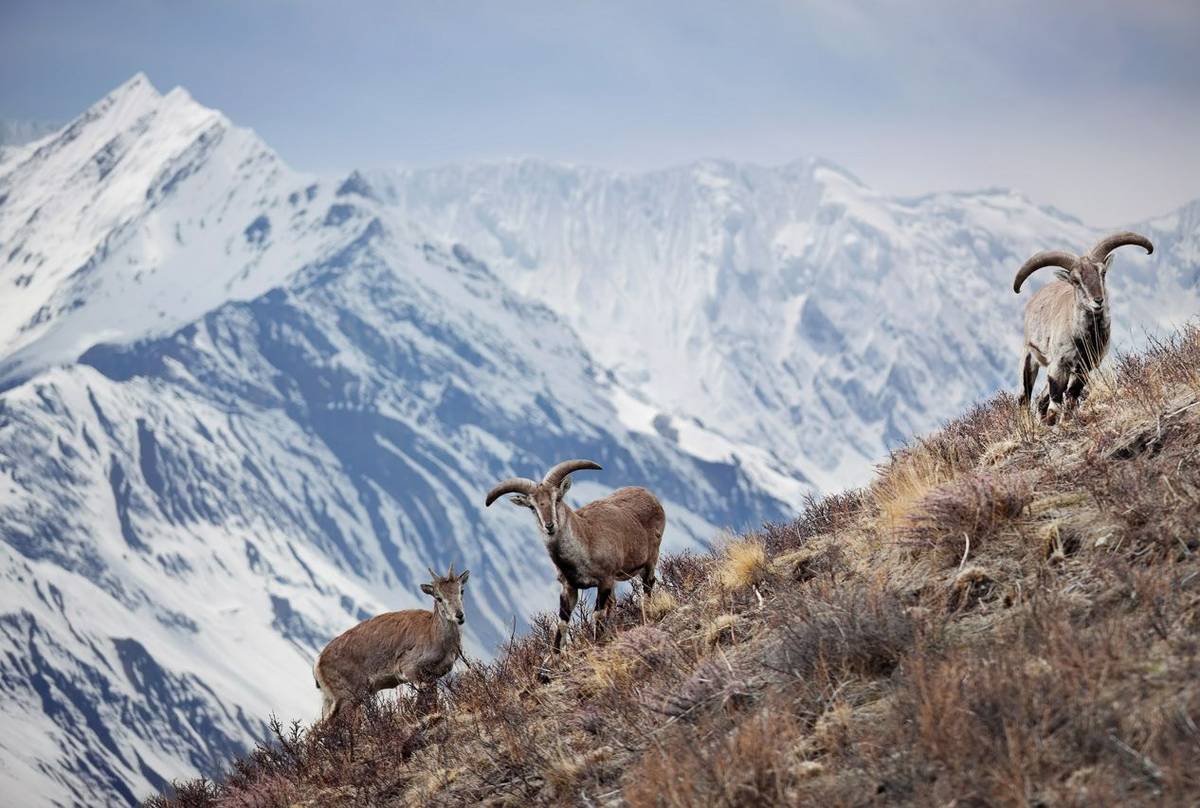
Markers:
point(609, 540)
point(413, 646)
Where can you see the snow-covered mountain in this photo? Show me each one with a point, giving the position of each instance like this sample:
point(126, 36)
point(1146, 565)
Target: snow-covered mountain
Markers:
point(791, 309)
point(243, 409)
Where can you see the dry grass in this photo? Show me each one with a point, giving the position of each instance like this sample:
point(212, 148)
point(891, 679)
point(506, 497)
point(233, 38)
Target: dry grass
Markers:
point(742, 564)
point(1008, 615)
point(659, 604)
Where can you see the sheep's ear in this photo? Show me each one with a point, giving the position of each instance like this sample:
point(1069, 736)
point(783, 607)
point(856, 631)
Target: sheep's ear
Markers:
point(427, 589)
point(564, 486)
point(1108, 261)
point(520, 500)
point(462, 579)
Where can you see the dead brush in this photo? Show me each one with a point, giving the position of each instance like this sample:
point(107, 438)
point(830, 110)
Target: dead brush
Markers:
point(970, 586)
point(721, 631)
point(716, 682)
point(905, 481)
point(961, 442)
point(1171, 361)
point(201, 793)
point(848, 630)
point(752, 763)
point(824, 560)
point(962, 516)
point(604, 668)
point(817, 517)
point(682, 573)
point(993, 724)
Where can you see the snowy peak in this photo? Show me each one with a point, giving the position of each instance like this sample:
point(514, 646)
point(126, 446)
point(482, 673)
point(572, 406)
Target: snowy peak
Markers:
point(95, 221)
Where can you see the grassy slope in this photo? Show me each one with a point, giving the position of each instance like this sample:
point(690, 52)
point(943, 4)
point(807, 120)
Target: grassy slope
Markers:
point(1007, 616)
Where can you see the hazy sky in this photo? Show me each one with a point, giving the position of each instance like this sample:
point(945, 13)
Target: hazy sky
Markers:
point(1090, 106)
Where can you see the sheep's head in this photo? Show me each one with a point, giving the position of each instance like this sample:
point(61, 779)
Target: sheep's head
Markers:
point(1086, 273)
point(1087, 278)
point(542, 498)
point(447, 592)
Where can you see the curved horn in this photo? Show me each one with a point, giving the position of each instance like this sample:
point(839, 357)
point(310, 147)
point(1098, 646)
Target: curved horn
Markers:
point(1046, 258)
point(555, 475)
point(1109, 243)
point(513, 485)
point(450, 574)
point(432, 574)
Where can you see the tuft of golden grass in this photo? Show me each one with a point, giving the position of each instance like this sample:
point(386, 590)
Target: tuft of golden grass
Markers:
point(660, 603)
point(605, 668)
point(998, 451)
point(910, 479)
point(565, 768)
point(721, 630)
point(742, 565)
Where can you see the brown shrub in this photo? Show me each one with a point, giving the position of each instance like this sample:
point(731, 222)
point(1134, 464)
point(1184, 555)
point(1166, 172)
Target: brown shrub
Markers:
point(962, 441)
point(753, 763)
point(846, 630)
point(819, 516)
point(682, 573)
point(973, 507)
point(200, 793)
point(715, 682)
point(988, 725)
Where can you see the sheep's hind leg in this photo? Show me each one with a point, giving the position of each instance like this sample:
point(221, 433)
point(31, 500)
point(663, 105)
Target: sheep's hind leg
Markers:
point(330, 707)
point(648, 581)
point(649, 576)
point(604, 606)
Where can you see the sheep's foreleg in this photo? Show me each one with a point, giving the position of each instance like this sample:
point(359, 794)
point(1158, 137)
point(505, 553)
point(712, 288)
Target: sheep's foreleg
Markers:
point(566, 605)
point(1057, 384)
